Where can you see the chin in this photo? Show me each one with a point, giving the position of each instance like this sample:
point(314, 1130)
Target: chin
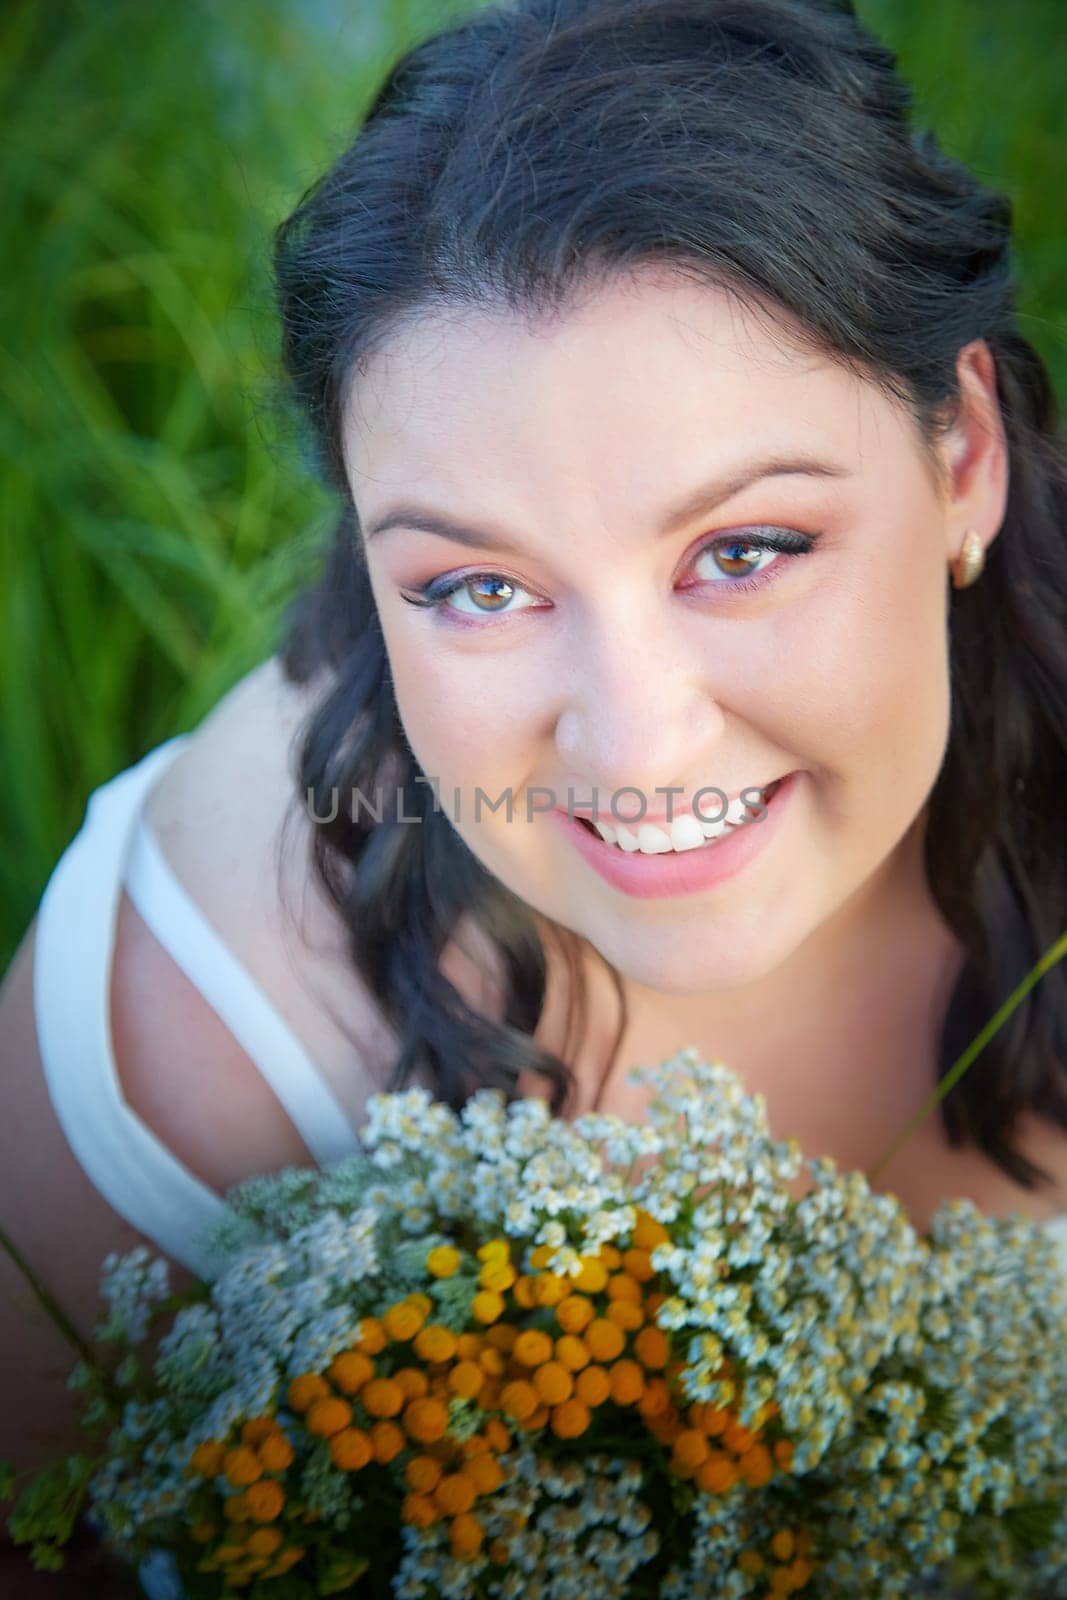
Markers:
point(691, 963)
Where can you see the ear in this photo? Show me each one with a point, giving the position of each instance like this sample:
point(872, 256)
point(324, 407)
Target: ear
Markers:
point(974, 453)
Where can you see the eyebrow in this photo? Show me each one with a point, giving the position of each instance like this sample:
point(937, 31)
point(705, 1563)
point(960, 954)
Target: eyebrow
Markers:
point(698, 502)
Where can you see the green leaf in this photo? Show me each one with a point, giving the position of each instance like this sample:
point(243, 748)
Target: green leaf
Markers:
point(340, 1571)
point(48, 1508)
point(1032, 1525)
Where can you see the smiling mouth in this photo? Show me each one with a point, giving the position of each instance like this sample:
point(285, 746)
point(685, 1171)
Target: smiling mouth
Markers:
point(660, 848)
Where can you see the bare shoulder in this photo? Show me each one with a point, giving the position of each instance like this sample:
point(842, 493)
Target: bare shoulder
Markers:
point(238, 761)
point(235, 780)
point(218, 815)
point(232, 826)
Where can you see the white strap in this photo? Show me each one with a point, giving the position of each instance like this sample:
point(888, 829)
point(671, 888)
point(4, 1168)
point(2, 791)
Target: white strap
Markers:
point(231, 991)
point(73, 949)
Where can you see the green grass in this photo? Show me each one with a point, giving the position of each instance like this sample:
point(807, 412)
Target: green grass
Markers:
point(157, 511)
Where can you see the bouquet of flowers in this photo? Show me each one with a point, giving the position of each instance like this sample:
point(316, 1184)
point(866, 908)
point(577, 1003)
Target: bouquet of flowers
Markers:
point(486, 1357)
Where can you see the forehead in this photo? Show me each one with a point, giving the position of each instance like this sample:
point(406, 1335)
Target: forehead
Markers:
point(643, 373)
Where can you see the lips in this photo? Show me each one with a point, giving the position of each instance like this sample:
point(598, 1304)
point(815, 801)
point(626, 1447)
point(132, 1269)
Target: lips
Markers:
point(768, 791)
point(646, 875)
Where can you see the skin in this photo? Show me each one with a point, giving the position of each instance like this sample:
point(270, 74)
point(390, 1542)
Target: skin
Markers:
point(625, 659)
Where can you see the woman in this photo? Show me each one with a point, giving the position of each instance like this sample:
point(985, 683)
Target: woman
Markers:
point(688, 455)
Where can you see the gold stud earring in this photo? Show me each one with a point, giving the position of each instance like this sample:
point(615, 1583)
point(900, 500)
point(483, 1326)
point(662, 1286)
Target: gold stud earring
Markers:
point(969, 563)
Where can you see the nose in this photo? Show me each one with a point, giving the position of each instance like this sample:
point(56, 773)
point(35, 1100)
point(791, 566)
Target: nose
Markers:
point(639, 712)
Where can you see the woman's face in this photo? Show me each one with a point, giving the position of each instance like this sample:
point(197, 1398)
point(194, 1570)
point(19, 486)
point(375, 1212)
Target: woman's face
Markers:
point(618, 631)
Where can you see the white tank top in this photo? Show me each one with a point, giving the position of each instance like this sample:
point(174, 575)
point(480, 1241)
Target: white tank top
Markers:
point(135, 1172)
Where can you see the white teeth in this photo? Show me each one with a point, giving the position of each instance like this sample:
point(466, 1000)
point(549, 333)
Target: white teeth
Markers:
point(685, 832)
point(735, 811)
point(715, 830)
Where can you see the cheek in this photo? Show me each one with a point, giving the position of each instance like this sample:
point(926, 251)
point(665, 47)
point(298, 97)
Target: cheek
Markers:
point(468, 732)
point(873, 700)
point(456, 725)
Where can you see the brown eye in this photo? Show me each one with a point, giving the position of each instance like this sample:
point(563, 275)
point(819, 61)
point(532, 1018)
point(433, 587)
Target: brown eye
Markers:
point(492, 587)
point(737, 559)
point(503, 589)
point(733, 559)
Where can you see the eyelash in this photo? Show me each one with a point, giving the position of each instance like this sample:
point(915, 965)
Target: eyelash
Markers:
point(432, 595)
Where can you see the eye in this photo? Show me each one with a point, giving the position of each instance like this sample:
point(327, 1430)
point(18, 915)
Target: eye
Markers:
point(491, 593)
point(492, 587)
point(742, 551)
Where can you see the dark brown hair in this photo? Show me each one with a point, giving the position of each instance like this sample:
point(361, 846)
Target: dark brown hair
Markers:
point(768, 148)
